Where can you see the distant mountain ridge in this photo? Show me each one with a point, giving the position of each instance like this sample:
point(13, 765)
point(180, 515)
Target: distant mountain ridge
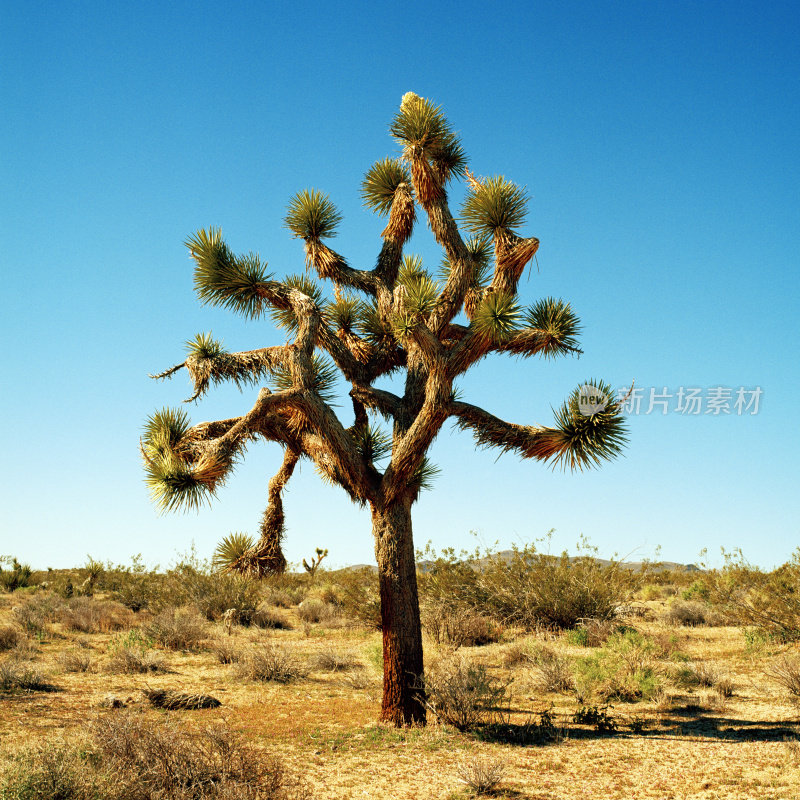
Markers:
point(507, 555)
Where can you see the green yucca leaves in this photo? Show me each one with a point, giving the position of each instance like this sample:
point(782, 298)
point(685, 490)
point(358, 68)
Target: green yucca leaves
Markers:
point(343, 314)
point(381, 182)
point(285, 317)
point(421, 123)
point(230, 550)
point(204, 346)
point(558, 322)
point(311, 215)
point(323, 380)
point(373, 443)
point(221, 279)
point(403, 325)
point(480, 248)
point(164, 430)
point(497, 317)
point(410, 269)
point(172, 483)
point(370, 325)
point(496, 206)
point(424, 476)
point(591, 438)
point(422, 294)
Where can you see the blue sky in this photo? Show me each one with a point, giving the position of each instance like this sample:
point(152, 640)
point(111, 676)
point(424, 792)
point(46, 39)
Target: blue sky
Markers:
point(659, 145)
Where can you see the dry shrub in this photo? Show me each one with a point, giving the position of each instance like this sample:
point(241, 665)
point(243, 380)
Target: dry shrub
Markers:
point(95, 616)
point(786, 672)
point(594, 632)
point(459, 626)
point(690, 613)
point(359, 597)
point(463, 694)
point(75, 661)
point(282, 598)
point(271, 662)
point(314, 610)
point(226, 651)
point(515, 655)
point(179, 701)
point(166, 761)
point(766, 601)
point(21, 676)
point(553, 672)
point(330, 660)
point(725, 687)
point(481, 776)
point(269, 618)
point(691, 675)
point(177, 629)
point(37, 612)
point(132, 653)
point(9, 637)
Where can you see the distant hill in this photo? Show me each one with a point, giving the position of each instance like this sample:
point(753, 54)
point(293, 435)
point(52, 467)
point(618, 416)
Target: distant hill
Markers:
point(507, 555)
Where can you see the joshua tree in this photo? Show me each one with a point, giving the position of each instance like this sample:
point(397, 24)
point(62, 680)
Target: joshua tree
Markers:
point(389, 320)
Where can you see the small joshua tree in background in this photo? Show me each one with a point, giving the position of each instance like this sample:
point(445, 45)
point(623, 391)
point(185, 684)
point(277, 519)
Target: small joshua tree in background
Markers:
point(393, 319)
point(312, 568)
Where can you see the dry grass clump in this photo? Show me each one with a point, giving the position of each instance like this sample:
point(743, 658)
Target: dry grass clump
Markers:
point(75, 661)
point(702, 674)
point(459, 626)
point(481, 776)
point(126, 757)
point(227, 652)
point(269, 618)
point(9, 637)
point(37, 612)
point(331, 660)
point(786, 672)
point(314, 610)
point(21, 676)
point(690, 613)
point(553, 672)
point(463, 694)
point(271, 662)
point(87, 615)
point(132, 653)
point(177, 629)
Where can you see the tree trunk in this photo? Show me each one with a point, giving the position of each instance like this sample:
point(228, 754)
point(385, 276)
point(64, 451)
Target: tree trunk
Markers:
point(403, 702)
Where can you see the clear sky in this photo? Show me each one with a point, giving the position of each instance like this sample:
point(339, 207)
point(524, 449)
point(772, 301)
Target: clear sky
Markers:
point(659, 144)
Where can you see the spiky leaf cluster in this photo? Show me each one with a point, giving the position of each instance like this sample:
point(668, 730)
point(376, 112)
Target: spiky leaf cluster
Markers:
point(421, 124)
point(424, 476)
point(373, 443)
point(285, 317)
point(480, 248)
point(311, 215)
point(231, 550)
point(558, 322)
point(590, 439)
point(221, 279)
point(173, 485)
point(381, 182)
point(343, 314)
point(497, 317)
point(204, 345)
point(371, 326)
point(323, 378)
point(494, 207)
point(411, 269)
point(422, 294)
point(164, 430)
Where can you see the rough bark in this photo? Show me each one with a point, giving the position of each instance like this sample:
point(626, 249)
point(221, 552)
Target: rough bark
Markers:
point(403, 703)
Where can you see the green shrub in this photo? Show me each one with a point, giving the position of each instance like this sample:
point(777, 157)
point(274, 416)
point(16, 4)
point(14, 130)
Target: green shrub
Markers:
point(132, 653)
point(766, 601)
point(15, 578)
point(623, 669)
point(359, 598)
